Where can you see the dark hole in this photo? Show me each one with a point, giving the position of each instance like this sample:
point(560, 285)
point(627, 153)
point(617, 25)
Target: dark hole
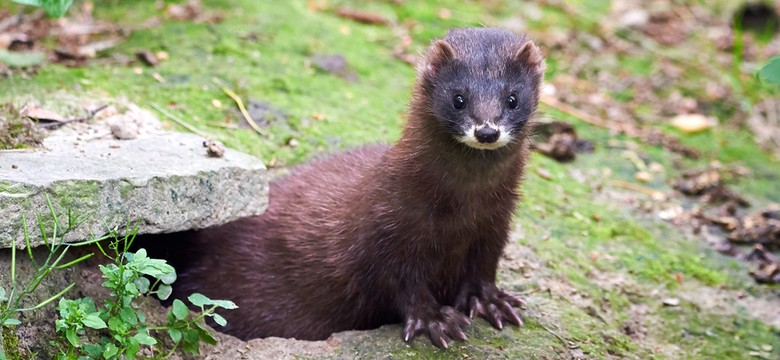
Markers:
point(758, 17)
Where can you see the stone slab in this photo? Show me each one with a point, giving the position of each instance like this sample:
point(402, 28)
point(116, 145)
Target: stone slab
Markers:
point(162, 181)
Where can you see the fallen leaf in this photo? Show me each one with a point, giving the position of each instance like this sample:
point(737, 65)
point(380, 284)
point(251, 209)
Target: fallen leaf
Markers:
point(21, 59)
point(671, 302)
point(678, 278)
point(559, 141)
point(692, 123)
point(445, 13)
point(158, 77)
point(193, 11)
point(697, 182)
point(40, 114)
point(361, 16)
point(643, 176)
point(543, 173)
point(147, 57)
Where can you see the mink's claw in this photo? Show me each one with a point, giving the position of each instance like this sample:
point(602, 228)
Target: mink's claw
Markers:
point(440, 326)
point(492, 304)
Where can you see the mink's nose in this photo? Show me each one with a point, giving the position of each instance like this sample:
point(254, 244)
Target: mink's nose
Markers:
point(486, 135)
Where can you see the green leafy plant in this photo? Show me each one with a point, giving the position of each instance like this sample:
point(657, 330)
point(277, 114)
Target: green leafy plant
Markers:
point(771, 71)
point(11, 300)
point(53, 8)
point(122, 329)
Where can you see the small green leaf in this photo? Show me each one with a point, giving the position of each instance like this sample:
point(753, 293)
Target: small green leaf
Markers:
point(190, 335)
point(73, 339)
point(219, 319)
point(205, 335)
point(198, 299)
point(21, 59)
point(201, 300)
point(153, 267)
point(169, 278)
point(93, 350)
point(37, 3)
point(117, 326)
point(131, 289)
point(128, 315)
point(94, 321)
point(142, 284)
point(175, 334)
point(771, 71)
point(110, 351)
point(145, 339)
point(225, 304)
point(11, 322)
point(163, 291)
point(3, 296)
point(179, 309)
point(54, 8)
point(190, 341)
point(191, 348)
point(132, 349)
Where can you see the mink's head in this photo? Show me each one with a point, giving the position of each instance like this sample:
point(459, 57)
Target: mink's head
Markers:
point(481, 85)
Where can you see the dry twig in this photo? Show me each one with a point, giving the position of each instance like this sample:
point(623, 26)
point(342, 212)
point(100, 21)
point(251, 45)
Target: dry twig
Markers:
point(241, 107)
point(655, 194)
point(58, 124)
point(181, 122)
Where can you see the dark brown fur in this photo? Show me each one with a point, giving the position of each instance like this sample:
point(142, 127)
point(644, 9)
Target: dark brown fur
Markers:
point(378, 235)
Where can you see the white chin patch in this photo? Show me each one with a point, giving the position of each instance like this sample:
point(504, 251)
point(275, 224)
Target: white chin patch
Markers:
point(471, 140)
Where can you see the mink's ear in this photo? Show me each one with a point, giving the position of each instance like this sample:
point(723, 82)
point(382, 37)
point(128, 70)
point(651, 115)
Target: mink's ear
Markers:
point(530, 56)
point(439, 54)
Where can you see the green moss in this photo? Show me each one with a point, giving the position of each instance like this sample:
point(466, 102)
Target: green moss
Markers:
point(486, 342)
point(11, 345)
point(637, 64)
point(714, 336)
point(11, 188)
point(564, 210)
point(125, 189)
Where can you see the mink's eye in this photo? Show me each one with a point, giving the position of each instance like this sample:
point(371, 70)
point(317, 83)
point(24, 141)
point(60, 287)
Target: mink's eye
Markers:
point(511, 101)
point(459, 102)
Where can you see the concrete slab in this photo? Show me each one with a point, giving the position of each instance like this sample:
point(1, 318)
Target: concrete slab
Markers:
point(162, 181)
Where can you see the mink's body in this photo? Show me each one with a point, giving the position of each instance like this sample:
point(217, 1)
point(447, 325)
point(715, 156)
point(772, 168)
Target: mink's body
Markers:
point(410, 233)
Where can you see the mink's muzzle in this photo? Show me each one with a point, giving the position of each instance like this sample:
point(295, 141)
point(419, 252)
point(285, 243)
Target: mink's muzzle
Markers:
point(487, 135)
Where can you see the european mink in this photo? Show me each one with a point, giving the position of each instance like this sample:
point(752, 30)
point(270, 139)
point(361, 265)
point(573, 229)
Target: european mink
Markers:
point(409, 233)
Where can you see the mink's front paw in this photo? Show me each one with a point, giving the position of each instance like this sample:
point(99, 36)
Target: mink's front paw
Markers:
point(491, 303)
point(439, 326)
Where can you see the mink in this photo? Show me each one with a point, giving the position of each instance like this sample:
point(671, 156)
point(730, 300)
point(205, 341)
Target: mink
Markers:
point(409, 233)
